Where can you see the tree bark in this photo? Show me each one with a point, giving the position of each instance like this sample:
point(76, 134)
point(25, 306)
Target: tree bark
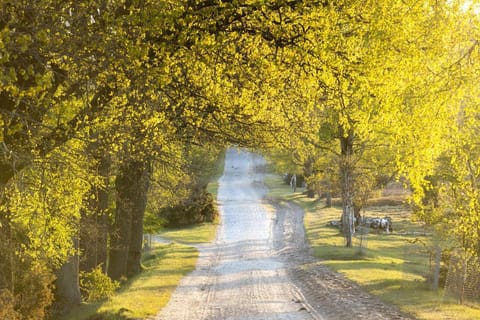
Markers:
point(348, 223)
point(347, 185)
point(94, 222)
point(131, 186)
point(307, 172)
point(328, 201)
point(67, 287)
point(136, 233)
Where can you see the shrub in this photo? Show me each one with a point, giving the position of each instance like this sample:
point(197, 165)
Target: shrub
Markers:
point(34, 292)
point(7, 306)
point(96, 285)
point(25, 285)
point(199, 208)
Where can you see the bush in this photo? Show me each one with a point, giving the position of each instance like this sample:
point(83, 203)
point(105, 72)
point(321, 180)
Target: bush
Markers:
point(35, 292)
point(25, 285)
point(96, 285)
point(7, 306)
point(199, 208)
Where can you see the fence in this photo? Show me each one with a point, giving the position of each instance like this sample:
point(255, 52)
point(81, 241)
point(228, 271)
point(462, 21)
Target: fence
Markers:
point(462, 281)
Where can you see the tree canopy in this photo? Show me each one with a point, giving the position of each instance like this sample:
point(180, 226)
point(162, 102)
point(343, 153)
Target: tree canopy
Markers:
point(99, 98)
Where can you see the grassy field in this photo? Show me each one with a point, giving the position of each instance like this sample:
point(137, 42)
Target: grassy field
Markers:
point(392, 266)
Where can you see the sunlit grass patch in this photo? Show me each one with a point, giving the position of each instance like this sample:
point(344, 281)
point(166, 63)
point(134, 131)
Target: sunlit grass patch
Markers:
point(201, 233)
point(212, 186)
point(205, 232)
point(147, 293)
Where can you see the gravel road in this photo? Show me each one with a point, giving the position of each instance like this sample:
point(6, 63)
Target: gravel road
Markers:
point(259, 267)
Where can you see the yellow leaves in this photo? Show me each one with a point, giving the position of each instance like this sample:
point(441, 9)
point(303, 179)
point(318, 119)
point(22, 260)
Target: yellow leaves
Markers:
point(42, 36)
point(11, 75)
point(23, 42)
point(45, 201)
point(381, 72)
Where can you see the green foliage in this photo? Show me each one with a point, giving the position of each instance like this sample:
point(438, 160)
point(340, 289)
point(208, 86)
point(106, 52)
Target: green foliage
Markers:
point(180, 192)
point(55, 187)
point(198, 208)
point(450, 200)
point(282, 162)
point(34, 291)
point(96, 285)
point(40, 211)
point(384, 100)
point(152, 223)
point(167, 82)
point(28, 292)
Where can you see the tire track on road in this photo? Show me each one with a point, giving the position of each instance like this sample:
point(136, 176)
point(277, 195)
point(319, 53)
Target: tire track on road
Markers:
point(240, 276)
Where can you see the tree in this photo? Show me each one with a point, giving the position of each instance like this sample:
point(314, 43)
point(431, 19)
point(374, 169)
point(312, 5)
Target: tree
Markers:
point(197, 204)
point(40, 230)
point(119, 69)
point(94, 222)
point(372, 97)
point(450, 197)
point(154, 80)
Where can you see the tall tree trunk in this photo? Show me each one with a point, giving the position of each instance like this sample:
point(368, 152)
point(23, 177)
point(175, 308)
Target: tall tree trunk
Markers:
point(136, 230)
point(94, 222)
point(307, 172)
point(131, 186)
point(7, 252)
point(67, 288)
point(328, 201)
point(347, 185)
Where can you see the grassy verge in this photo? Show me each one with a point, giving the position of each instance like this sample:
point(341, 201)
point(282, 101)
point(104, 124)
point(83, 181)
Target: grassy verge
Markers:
point(391, 266)
point(164, 266)
point(195, 234)
point(217, 174)
point(146, 294)
point(204, 232)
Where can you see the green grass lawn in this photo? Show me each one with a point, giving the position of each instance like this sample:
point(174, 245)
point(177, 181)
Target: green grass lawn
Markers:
point(201, 233)
point(147, 293)
point(391, 266)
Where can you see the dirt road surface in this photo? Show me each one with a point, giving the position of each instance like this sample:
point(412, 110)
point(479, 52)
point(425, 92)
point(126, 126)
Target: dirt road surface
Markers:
point(259, 267)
